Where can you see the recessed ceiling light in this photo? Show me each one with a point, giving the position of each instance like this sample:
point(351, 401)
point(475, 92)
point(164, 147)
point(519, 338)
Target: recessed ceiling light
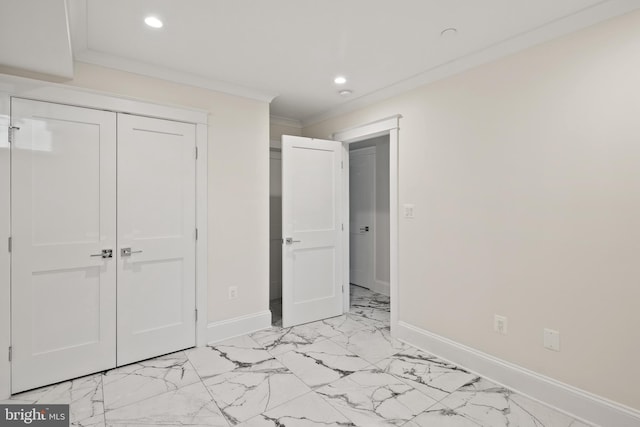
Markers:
point(448, 32)
point(340, 80)
point(153, 22)
point(345, 92)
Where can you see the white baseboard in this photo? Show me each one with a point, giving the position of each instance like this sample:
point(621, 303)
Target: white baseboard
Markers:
point(229, 328)
point(574, 401)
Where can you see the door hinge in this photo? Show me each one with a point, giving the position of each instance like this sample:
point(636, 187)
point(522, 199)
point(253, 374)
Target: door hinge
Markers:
point(10, 245)
point(196, 153)
point(10, 353)
point(11, 133)
point(196, 234)
point(196, 314)
point(341, 165)
point(342, 227)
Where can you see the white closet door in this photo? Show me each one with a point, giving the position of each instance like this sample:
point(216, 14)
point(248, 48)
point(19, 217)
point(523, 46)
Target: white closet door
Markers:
point(63, 306)
point(156, 237)
point(312, 285)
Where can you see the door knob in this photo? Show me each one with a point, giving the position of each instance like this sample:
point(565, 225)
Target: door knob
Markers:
point(289, 240)
point(105, 253)
point(128, 252)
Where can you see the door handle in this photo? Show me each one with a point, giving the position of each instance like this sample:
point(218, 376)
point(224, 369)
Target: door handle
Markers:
point(128, 252)
point(364, 229)
point(289, 240)
point(105, 253)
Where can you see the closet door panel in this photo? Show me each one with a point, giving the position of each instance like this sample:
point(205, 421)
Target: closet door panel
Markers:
point(63, 217)
point(156, 235)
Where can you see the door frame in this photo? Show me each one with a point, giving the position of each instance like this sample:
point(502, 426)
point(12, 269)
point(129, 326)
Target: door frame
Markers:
point(386, 126)
point(58, 93)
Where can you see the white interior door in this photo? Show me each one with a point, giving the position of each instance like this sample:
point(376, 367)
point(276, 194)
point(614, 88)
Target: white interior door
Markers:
point(63, 292)
point(156, 237)
point(362, 203)
point(312, 285)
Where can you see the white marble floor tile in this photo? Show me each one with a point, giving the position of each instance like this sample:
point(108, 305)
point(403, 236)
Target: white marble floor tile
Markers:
point(361, 297)
point(309, 410)
point(322, 363)
point(377, 317)
point(489, 404)
point(280, 340)
point(441, 416)
point(138, 381)
point(245, 393)
point(372, 344)
point(190, 405)
point(84, 396)
point(226, 356)
point(374, 398)
point(434, 377)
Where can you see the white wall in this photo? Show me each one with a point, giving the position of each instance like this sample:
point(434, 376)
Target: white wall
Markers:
point(238, 183)
point(525, 175)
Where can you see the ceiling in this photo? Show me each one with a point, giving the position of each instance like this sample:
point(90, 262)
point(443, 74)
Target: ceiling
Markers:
point(290, 51)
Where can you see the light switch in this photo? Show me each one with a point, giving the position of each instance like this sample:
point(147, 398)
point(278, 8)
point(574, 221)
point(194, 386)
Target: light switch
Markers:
point(408, 211)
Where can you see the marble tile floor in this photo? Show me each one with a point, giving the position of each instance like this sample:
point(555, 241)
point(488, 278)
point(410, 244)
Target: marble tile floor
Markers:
point(344, 371)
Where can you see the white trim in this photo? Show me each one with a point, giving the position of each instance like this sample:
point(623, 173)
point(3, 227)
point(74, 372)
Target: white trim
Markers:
point(590, 15)
point(285, 121)
point(202, 244)
point(390, 126)
point(367, 131)
point(574, 401)
point(5, 258)
point(229, 328)
point(80, 97)
point(31, 89)
point(150, 70)
point(346, 241)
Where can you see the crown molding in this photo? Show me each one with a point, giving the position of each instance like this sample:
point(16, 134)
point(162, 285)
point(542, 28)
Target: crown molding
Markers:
point(123, 64)
point(562, 26)
point(285, 121)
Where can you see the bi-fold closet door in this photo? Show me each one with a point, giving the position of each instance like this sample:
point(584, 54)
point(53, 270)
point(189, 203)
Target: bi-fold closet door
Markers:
point(103, 240)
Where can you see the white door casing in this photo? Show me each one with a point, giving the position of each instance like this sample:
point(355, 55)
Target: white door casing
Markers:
point(312, 223)
point(63, 215)
point(156, 222)
point(362, 202)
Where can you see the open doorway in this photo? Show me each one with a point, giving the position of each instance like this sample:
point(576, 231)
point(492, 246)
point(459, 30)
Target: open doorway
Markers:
point(386, 291)
point(275, 236)
point(369, 229)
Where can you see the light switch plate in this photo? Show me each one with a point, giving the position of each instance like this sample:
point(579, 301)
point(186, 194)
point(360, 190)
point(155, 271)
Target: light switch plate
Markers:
point(408, 210)
point(551, 339)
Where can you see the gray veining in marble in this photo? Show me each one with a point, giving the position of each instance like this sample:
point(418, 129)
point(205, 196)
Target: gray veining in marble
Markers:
point(244, 393)
point(309, 410)
point(434, 377)
point(342, 371)
point(374, 398)
point(487, 403)
point(190, 405)
point(322, 363)
point(138, 381)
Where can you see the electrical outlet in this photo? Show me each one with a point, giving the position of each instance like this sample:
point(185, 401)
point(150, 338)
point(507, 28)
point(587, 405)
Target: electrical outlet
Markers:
point(408, 211)
point(552, 339)
point(233, 292)
point(500, 324)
